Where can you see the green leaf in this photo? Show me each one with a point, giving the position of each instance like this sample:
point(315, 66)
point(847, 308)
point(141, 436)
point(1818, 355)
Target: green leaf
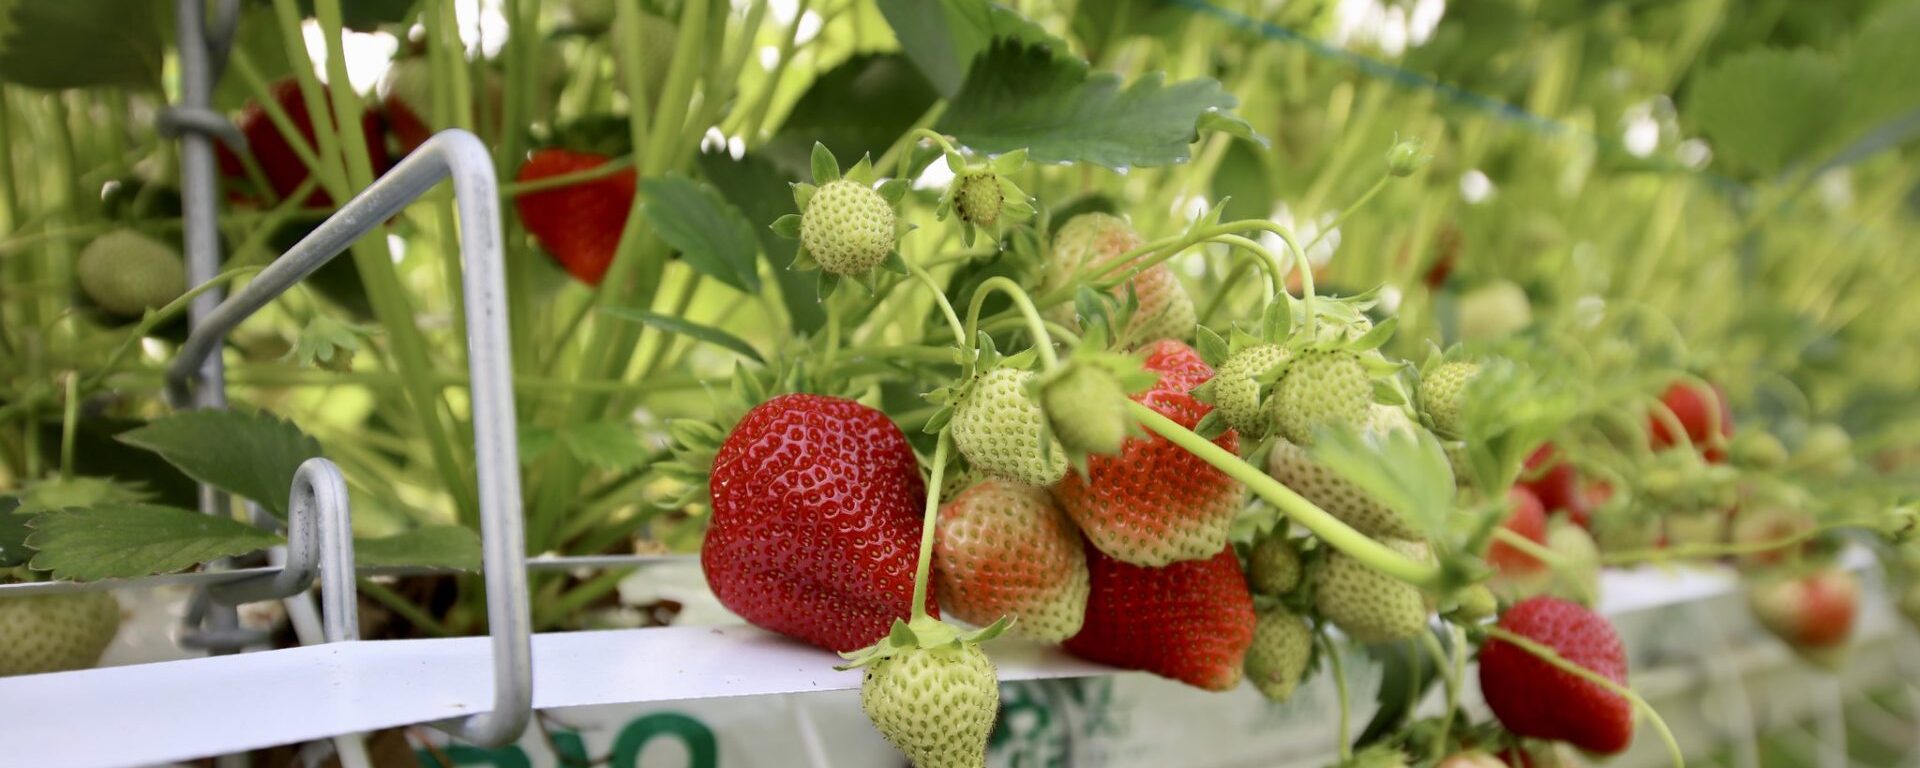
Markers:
point(1021, 96)
point(1405, 470)
point(58, 44)
point(754, 185)
point(330, 343)
point(1407, 671)
point(607, 444)
point(886, 93)
point(1767, 108)
point(1244, 183)
point(1880, 67)
point(689, 329)
point(13, 533)
point(435, 546)
point(713, 236)
point(124, 541)
point(943, 41)
point(253, 454)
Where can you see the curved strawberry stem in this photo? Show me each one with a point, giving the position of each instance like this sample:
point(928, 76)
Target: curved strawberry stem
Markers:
point(923, 567)
point(1338, 669)
point(960, 336)
point(1710, 551)
point(1042, 340)
point(1276, 270)
point(1356, 205)
point(1328, 528)
point(1530, 548)
point(1547, 654)
point(1167, 247)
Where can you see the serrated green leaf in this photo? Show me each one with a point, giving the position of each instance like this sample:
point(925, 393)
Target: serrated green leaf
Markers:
point(1018, 95)
point(435, 546)
point(250, 453)
point(714, 237)
point(1880, 66)
point(330, 343)
point(887, 93)
point(61, 493)
point(610, 445)
point(1767, 108)
point(124, 541)
point(943, 37)
point(59, 44)
point(689, 329)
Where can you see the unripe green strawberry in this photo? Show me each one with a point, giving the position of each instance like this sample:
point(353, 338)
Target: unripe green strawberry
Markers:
point(128, 273)
point(1282, 645)
point(937, 705)
point(1295, 468)
point(1006, 550)
point(1579, 579)
point(55, 633)
point(1236, 392)
point(997, 426)
point(1370, 606)
point(1493, 311)
point(1474, 603)
point(1273, 567)
point(1086, 406)
point(1322, 387)
point(1440, 393)
point(978, 198)
point(848, 228)
point(1085, 244)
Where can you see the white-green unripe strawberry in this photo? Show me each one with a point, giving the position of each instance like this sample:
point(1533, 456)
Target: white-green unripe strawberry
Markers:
point(1282, 646)
point(1322, 388)
point(937, 705)
point(1295, 468)
point(55, 633)
point(1441, 392)
point(127, 273)
point(848, 228)
point(1087, 408)
point(1273, 566)
point(1235, 390)
point(1367, 605)
point(997, 425)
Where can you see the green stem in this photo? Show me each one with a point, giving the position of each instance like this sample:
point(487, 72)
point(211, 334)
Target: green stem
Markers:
point(960, 337)
point(1709, 551)
point(579, 597)
point(1449, 679)
point(601, 171)
point(1531, 548)
point(1338, 669)
point(1276, 271)
point(69, 423)
point(1331, 530)
point(923, 568)
point(1349, 210)
point(1549, 655)
point(1042, 341)
point(405, 608)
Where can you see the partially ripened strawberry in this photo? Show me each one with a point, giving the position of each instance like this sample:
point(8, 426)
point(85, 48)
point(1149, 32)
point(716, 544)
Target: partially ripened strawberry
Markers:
point(1533, 698)
point(278, 161)
point(998, 425)
point(1367, 605)
point(937, 705)
point(1090, 244)
point(1697, 417)
point(1156, 503)
point(1813, 612)
point(1282, 646)
point(1528, 520)
point(817, 507)
point(1190, 621)
point(579, 225)
point(1005, 550)
point(55, 633)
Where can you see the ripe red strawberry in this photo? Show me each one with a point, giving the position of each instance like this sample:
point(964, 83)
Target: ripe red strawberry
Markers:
point(817, 505)
point(579, 224)
point(282, 167)
point(1696, 417)
point(1813, 612)
point(1529, 519)
point(1155, 503)
point(1536, 699)
point(1005, 549)
point(1553, 481)
point(1190, 621)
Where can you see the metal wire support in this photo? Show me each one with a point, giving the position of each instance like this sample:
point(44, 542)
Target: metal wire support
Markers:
point(319, 543)
point(457, 155)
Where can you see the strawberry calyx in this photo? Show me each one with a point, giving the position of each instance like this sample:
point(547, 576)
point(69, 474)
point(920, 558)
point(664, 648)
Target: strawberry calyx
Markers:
point(982, 194)
point(923, 633)
point(1085, 398)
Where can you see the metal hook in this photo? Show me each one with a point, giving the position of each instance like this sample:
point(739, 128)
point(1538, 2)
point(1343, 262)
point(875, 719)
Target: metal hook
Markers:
point(461, 157)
